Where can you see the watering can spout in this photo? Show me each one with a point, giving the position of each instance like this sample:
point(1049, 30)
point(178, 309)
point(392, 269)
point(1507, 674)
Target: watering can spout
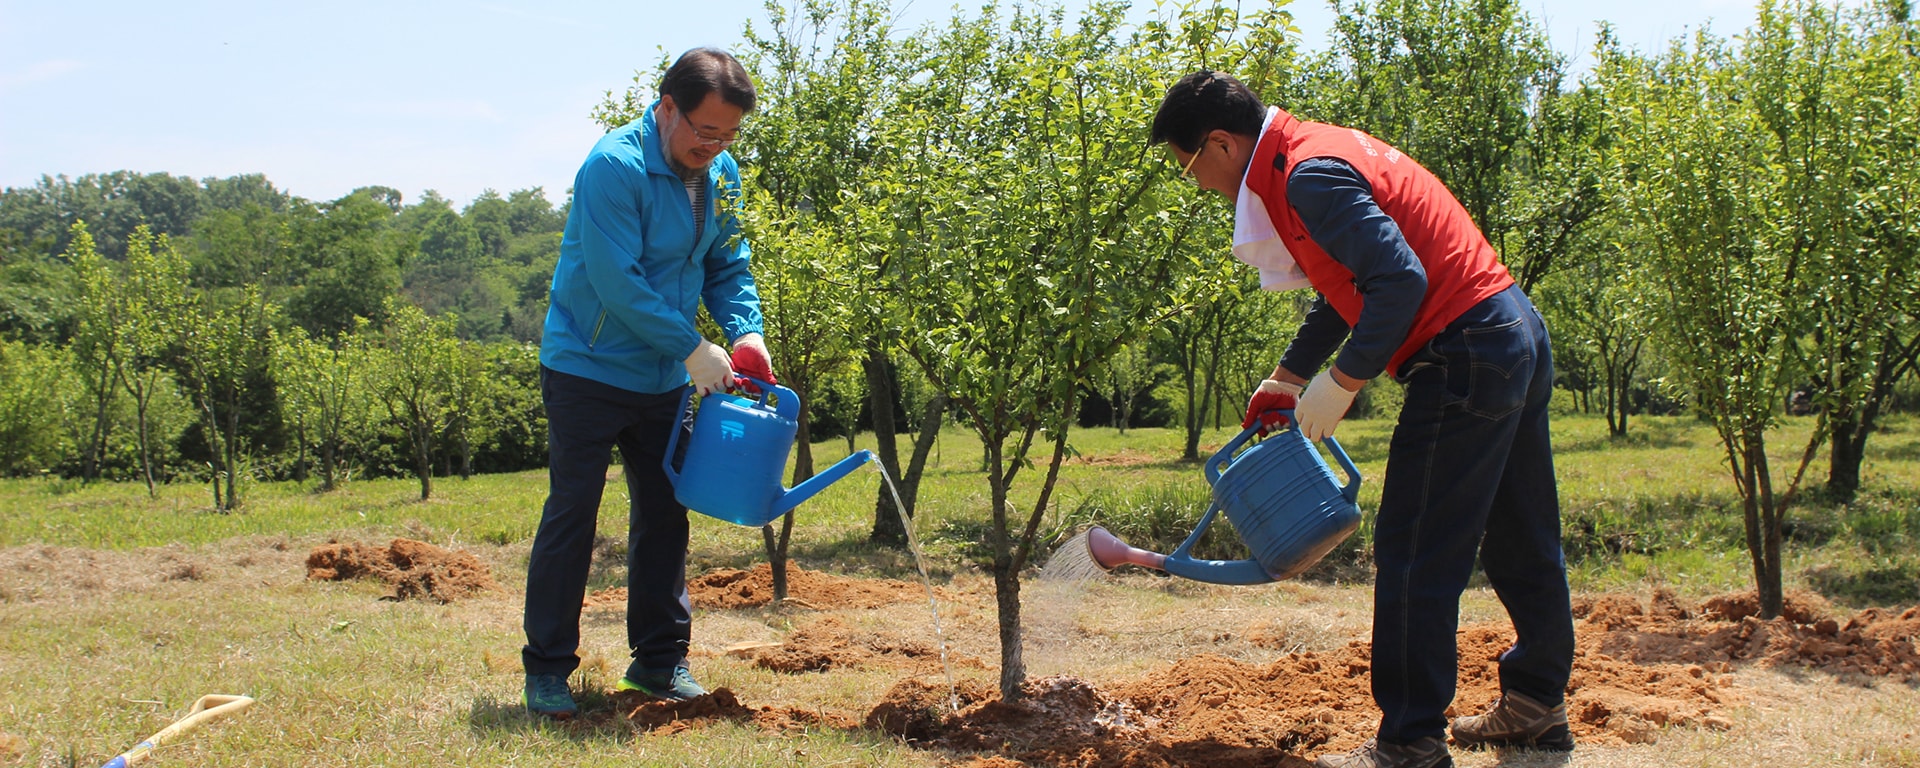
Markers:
point(812, 485)
point(1109, 552)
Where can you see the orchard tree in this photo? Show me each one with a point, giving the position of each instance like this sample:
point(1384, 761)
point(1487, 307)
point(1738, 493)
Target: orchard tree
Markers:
point(1027, 180)
point(325, 393)
point(1834, 90)
point(222, 359)
point(154, 301)
point(827, 69)
point(96, 343)
point(1717, 283)
point(421, 360)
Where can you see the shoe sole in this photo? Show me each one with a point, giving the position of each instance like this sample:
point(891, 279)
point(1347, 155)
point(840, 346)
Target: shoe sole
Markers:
point(627, 685)
point(1555, 739)
point(558, 714)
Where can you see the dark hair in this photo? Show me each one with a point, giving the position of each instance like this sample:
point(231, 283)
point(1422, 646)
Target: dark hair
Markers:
point(707, 70)
point(1202, 103)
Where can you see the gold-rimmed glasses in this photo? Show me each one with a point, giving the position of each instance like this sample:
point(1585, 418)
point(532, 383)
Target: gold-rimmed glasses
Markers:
point(711, 141)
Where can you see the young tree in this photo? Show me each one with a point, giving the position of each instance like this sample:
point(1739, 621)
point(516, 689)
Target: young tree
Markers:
point(222, 359)
point(421, 362)
point(1717, 283)
point(95, 342)
point(325, 390)
point(154, 300)
point(1023, 163)
point(1835, 91)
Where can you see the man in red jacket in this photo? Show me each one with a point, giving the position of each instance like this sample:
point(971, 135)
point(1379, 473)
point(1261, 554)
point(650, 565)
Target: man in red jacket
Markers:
point(1415, 291)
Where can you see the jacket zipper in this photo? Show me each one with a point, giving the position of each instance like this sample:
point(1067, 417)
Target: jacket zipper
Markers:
point(598, 323)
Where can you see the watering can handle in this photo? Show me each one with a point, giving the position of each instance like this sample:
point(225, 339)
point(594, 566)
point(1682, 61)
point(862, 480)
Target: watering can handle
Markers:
point(787, 406)
point(1217, 465)
point(666, 462)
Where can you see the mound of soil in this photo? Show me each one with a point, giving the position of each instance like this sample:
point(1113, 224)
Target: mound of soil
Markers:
point(830, 644)
point(414, 569)
point(1876, 642)
point(732, 588)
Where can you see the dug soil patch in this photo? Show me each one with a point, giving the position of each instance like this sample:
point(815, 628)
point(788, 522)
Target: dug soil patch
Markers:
point(1637, 668)
point(1642, 665)
point(732, 588)
point(414, 569)
point(830, 644)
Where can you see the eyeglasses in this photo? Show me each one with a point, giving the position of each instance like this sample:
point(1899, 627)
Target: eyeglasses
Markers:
point(1186, 169)
point(703, 139)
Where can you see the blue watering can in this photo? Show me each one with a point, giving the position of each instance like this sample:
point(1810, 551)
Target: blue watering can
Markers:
point(737, 454)
point(1283, 500)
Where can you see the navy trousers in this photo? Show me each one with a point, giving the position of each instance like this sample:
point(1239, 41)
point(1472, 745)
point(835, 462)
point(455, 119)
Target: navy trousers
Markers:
point(585, 420)
point(1470, 469)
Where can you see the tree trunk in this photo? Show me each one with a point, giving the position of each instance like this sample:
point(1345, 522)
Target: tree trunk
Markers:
point(923, 445)
point(423, 460)
point(326, 466)
point(776, 545)
point(1006, 596)
point(888, 528)
point(146, 450)
point(1191, 451)
point(233, 456)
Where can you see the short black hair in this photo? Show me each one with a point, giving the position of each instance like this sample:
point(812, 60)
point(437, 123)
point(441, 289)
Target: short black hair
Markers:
point(1202, 103)
point(708, 70)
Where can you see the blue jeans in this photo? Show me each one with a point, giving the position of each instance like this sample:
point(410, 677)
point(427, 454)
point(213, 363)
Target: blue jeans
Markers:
point(585, 420)
point(1470, 469)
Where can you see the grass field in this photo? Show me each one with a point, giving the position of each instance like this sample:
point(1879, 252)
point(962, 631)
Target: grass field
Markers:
point(117, 611)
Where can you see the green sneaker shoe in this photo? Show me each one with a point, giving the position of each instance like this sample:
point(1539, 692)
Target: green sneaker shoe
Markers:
point(549, 695)
point(673, 685)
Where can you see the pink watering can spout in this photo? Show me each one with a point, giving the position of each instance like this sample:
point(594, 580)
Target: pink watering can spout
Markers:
point(1109, 552)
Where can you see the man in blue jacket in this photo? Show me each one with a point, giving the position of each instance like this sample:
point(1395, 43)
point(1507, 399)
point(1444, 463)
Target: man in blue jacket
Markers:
point(651, 235)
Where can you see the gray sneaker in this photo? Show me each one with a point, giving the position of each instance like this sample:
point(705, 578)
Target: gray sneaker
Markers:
point(1515, 720)
point(1430, 752)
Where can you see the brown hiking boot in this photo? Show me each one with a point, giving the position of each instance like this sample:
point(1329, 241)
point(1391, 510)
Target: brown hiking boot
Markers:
point(1515, 720)
point(1430, 752)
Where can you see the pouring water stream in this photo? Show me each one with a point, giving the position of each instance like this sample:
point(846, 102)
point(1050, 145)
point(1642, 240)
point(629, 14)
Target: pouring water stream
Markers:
point(913, 545)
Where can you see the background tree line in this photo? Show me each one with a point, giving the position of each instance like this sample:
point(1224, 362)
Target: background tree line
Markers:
point(960, 223)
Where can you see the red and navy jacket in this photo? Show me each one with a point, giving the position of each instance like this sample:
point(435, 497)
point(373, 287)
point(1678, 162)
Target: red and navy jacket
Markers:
point(1393, 254)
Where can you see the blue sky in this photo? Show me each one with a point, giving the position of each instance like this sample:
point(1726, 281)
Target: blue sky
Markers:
point(456, 97)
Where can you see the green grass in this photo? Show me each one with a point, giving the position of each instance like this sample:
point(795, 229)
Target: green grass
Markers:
point(119, 610)
point(1657, 504)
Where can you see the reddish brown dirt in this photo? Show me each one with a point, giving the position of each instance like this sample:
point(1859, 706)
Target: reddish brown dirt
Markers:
point(732, 588)
point(414, 569)
point(720, 704)
point(830, 644)
point(1640, 665)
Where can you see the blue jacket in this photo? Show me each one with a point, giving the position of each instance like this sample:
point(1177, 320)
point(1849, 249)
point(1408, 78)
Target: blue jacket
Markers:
point(631, 276)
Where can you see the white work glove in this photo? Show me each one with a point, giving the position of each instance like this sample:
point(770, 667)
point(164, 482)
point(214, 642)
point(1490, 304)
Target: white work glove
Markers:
point(709, 369)
point(1323, 405)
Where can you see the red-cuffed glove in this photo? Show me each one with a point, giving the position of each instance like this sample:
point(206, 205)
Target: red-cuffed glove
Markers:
point(1273, 395)
point(750, 359)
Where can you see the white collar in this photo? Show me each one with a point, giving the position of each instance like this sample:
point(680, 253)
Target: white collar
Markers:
point(1255, 240)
